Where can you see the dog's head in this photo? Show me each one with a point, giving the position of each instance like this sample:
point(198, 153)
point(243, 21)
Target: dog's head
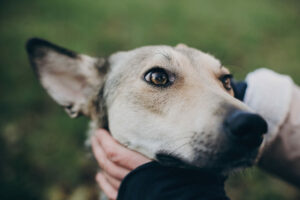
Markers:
point(173, 104)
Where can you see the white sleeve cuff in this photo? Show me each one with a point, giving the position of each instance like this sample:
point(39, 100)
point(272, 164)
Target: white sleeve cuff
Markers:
point(269, 94)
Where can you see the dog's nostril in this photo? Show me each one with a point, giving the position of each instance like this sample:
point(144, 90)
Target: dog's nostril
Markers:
point(246, 127)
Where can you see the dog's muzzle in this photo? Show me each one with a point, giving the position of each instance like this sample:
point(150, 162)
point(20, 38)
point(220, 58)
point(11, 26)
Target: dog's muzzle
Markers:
point(245, 128)
point(237, 146)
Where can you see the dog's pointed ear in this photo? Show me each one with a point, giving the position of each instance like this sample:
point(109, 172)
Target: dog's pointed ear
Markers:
point(72, 80)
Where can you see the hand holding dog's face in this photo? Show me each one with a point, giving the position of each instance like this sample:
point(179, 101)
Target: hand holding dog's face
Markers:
point(114, 160)
point(173, 104)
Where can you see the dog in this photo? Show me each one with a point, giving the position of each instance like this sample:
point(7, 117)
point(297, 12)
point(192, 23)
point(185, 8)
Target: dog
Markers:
point(175, 105)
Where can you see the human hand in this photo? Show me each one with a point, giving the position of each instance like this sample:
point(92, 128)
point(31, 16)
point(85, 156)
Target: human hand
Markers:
point(269, 94)
point(115, 160)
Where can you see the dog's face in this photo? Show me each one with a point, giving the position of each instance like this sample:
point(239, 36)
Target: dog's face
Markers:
point(172, 104)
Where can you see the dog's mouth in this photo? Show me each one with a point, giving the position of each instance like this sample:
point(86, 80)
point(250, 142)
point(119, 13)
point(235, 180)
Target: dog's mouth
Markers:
point(221, 164)
point(168, 159)
point(234, 160)
point(172, 160)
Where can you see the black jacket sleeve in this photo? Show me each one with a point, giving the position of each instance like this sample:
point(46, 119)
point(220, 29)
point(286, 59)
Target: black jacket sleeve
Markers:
point(153, 181)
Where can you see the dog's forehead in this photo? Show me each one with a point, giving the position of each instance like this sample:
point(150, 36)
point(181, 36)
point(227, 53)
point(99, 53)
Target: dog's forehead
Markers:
point(197, 57)
point(163, 56)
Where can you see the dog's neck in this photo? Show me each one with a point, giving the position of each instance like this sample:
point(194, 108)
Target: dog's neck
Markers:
point(98, 111)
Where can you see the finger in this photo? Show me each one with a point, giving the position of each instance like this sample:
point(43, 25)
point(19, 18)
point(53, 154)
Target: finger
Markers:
point(105, 164)
point(119, 154)
point(112, 181)
point(110, 192)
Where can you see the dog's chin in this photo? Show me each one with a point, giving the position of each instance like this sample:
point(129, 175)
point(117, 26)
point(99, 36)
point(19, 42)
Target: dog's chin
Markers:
point(235, 161)
point(230, 160)
point(225, 164)
point(233, 166)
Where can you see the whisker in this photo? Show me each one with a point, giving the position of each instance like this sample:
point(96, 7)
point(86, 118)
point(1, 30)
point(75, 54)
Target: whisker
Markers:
point(179, 147)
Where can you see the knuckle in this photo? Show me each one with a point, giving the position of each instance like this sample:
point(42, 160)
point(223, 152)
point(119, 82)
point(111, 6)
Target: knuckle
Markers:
point(117, 172)
point(102, 163)
point(105, 165)
point(109, 168)
point(112, 155)
point(116, 159)
point(114, 182)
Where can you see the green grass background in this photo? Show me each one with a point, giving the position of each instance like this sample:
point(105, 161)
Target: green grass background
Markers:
point(42, 155)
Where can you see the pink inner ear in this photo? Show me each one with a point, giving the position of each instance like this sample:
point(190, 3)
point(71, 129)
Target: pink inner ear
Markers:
point(65, 88)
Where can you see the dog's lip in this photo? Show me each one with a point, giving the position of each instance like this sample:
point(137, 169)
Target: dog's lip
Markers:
point(172, 160)
point(227, 163)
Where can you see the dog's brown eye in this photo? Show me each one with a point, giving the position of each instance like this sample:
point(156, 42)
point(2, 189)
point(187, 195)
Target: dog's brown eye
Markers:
point(226, 80)
point(157, 77)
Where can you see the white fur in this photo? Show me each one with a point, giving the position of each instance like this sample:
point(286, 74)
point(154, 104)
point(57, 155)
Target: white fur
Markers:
point(269, 94)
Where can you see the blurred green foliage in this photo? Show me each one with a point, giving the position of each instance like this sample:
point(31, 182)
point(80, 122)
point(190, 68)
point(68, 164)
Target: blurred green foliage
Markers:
point(42, 155)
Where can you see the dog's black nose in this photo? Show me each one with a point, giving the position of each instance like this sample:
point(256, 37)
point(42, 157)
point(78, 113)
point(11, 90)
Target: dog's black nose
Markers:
point(247, 128)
